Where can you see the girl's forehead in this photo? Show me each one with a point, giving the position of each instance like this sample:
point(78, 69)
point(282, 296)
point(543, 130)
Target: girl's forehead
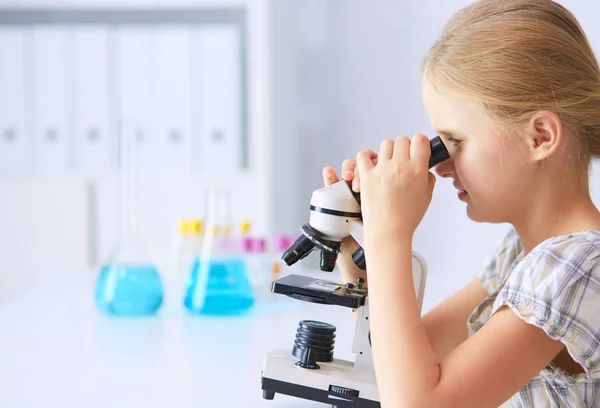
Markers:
point(450, 112)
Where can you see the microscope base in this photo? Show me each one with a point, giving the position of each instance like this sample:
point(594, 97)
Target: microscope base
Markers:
point(336, 383)
point(271, 387)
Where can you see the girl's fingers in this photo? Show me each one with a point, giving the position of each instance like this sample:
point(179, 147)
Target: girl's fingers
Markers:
point(348, 168)
point(330, 176)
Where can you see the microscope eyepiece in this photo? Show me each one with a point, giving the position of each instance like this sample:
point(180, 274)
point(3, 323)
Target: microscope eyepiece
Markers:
point(439, 153)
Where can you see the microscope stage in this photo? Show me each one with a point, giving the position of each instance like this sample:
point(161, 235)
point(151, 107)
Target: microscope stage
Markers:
point(320, 291)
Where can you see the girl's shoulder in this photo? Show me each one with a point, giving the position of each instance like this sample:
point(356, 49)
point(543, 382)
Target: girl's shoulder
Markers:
point(509, 254)
point(498, 266)
point(556, 287)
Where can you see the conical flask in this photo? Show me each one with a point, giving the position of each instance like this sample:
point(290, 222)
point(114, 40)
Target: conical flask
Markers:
point(129, 283)
point(218, 283)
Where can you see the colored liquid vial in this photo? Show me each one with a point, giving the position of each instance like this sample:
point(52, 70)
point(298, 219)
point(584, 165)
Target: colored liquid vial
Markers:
point(129, 283)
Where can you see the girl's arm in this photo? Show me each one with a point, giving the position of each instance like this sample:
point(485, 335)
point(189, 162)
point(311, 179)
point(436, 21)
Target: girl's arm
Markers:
point(483, 371)
point(446, 323)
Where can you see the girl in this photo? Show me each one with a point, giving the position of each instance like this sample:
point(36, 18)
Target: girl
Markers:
point(513, 88)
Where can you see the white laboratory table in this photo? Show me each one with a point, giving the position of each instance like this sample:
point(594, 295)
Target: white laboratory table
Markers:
point(57, 350)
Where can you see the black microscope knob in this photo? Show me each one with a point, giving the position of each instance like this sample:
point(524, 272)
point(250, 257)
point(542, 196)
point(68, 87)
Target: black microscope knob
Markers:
point(347, 392)
point(314, 343)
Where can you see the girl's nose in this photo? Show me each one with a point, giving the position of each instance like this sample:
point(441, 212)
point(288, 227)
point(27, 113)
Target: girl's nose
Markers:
point(446, 168)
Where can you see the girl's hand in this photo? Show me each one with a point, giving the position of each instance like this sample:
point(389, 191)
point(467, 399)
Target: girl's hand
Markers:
point(349, 173)
point(349, 271)
point(396, 189)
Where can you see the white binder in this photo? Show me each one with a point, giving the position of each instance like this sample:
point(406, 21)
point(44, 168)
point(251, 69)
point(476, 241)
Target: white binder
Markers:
point(14, 137)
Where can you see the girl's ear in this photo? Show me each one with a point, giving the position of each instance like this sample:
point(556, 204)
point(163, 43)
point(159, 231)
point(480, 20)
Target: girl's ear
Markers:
point(544, 135)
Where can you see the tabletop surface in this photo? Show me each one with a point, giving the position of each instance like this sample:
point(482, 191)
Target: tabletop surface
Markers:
point(57, 350)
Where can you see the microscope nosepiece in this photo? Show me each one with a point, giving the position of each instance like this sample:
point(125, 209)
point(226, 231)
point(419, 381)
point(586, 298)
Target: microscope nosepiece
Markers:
point(309, 240)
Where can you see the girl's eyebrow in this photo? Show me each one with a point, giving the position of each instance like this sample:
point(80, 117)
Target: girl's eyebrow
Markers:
point(448, 133)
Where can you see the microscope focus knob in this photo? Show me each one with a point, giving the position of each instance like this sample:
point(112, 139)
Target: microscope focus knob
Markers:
point(347, 392)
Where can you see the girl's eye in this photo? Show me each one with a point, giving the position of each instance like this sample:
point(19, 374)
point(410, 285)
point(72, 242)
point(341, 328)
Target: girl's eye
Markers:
point(453, 141)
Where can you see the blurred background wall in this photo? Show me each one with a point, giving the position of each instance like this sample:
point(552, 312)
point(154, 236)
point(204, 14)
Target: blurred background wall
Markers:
point(254, 96)
point(363, 85)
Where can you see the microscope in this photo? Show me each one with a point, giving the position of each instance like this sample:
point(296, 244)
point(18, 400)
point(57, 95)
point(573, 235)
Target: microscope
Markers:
point(310, 370)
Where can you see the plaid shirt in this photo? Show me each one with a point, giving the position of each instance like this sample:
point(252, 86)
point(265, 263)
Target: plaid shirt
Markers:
point(556, 287)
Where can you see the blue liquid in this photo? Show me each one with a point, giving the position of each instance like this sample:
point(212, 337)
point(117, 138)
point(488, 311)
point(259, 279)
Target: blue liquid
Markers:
point(228, 289)
point(129, 290)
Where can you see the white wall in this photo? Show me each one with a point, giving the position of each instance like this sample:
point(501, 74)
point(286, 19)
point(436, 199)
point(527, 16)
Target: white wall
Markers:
point(371, 87)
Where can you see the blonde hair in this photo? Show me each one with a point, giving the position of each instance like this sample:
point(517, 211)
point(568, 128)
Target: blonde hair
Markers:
point(519, 57)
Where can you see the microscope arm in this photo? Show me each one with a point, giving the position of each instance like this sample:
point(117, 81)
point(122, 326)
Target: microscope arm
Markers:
point(419, 266)
point(362, 337)
point(356, 231)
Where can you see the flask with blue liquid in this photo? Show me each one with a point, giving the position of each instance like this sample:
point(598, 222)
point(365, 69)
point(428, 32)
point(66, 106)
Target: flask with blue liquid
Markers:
point(218, 281)
point(129, 283)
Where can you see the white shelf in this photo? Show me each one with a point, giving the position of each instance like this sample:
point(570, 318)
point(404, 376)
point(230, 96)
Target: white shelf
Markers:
point(121, 4)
